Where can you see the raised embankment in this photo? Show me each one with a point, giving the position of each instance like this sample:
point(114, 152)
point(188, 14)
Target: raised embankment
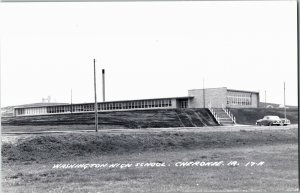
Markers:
point(67, 146)
point(159, 118)
point(249, 116)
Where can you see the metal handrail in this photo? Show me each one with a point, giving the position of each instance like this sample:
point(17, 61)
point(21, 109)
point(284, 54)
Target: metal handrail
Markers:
point(229, 113)
point(214, 114)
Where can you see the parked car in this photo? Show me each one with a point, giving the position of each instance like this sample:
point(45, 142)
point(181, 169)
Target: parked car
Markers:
point(270, 120)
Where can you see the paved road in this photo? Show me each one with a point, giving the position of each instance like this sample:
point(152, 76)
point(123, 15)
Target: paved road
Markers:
point(176, 129)
point(12, 137)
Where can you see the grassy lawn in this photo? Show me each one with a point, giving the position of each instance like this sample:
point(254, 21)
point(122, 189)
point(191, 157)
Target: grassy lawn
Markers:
point(278, 173)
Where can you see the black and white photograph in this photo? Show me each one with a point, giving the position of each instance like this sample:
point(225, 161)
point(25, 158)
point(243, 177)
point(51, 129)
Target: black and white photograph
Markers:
point(149, 96)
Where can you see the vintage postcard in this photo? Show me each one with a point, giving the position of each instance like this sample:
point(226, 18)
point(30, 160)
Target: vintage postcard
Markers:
point(150, 96)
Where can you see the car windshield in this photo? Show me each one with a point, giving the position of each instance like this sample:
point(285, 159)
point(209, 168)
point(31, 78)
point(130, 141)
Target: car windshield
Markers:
point(272, 117)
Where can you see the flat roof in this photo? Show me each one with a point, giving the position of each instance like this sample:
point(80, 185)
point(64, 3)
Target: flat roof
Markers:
point(242, 91)
point(235, 90)
point(207, 88)
point(36, 105)
point(40, 105)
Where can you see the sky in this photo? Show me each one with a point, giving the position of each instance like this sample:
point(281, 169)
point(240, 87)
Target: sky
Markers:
point(148, 49)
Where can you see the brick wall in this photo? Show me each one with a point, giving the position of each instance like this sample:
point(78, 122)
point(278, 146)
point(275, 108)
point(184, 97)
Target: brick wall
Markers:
point(217, 96)
point(174, 103)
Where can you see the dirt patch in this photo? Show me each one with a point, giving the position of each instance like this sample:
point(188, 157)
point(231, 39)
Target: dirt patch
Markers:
point(70, 145)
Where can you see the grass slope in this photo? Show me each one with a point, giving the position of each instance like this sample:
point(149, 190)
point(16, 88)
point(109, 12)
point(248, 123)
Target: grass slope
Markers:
point(67, 146)
point(123, 119)
point(249, 116)
point(27, 163)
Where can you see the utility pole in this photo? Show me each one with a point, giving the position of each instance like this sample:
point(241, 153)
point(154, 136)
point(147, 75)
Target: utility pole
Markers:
point(203, 94)
point(265, 99)
point(298, 63)
point(71, 108)
point(103, 85)
point(284, 100)
point(96, 106)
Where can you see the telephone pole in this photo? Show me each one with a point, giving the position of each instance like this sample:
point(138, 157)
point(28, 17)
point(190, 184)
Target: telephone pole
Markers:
point(96, 106)
point(103, 85)
point(298, 63)
point(265, 99)
point(203, 94)
point(284, 100)
point(71, 107)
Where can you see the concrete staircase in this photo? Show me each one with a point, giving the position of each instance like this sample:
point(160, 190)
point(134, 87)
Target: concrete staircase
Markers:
point(223, 117)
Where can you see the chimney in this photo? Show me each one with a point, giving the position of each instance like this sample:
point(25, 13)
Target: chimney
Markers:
point(103, 85)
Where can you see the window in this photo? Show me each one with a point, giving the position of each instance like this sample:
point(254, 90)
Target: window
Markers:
point(142, 104)
point(237, 98)
point(157, 103)
point(183, 104)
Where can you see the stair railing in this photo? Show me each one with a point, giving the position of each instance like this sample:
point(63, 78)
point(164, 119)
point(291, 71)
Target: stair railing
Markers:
point(214, 114)
point(229, 113)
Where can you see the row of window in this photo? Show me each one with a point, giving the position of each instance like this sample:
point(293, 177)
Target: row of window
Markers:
point(136, 104)
point(58, 109)
point(239, 98)
point(243, 101)
point(157, 103)
point(31, 111)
